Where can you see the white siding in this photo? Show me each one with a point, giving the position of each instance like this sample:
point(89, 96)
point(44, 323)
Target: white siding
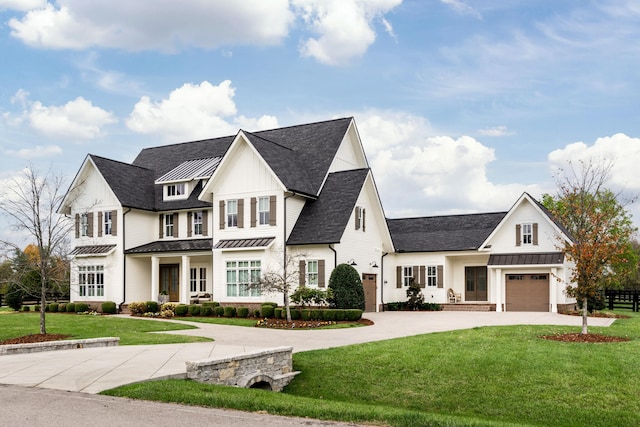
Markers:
point(349, 155)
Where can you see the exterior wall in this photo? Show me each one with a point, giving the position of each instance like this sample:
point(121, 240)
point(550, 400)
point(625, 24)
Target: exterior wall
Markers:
point(349, 155)
point(138, 279)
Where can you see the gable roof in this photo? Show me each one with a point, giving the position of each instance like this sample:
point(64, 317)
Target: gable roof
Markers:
point(132, 185)
point(323, 221)
point(442, 233)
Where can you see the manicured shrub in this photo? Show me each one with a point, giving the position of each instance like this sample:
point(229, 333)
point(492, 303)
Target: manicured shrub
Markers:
point(279, 313)
point(415, 298)
point(243, 312)
point(36, 308)
point(46, 307)
point(229, 312)
point(82, 307)
point(340, 315)
point(306, 314)
point(26, 308)
point(218, 311)
point(168, 306)
point(194, 309)
point(329, 315)
point(109, 307)
point(346, 287)
point(62, 308)
point(353, 315)
point(256, 313)
point(295, 314)
point(266, 310)
point(211, 304)
point(305, 297)
point(53, 307)
point(181, 310)
point(14, 296)
point(206, 310)
point(137, 307)
point(71, 307)
point(152, 307)
point(272, 304)
point(316, 314)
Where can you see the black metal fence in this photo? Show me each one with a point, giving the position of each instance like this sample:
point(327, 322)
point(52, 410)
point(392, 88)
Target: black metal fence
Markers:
point(623, 298)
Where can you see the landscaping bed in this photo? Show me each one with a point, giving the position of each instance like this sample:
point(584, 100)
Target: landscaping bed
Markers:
point(34, 338)
point(306, 324)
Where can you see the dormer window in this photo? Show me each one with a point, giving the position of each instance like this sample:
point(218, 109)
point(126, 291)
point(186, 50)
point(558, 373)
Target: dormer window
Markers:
point(175, 191)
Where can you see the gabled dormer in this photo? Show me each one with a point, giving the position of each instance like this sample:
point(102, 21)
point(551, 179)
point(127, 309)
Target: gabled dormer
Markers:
point(181, 181)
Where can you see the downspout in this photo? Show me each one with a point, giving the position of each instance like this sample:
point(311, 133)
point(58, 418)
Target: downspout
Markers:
point(124, 260)
point(335, 256)
point(382, 278)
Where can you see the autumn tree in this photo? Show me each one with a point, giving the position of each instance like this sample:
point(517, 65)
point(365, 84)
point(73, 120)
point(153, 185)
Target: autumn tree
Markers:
point(600, 230)
point(30, 202)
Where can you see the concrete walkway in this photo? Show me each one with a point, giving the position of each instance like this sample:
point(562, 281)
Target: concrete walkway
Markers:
point(96, 369)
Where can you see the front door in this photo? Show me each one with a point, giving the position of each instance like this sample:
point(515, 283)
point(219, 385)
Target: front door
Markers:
point(369, 285)
point(170, 281)
point(476, 283)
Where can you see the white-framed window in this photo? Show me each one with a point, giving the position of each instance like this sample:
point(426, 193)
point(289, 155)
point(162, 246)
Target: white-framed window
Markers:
point(232, 213)
point(203, 279)
point(197, 223)
point(168, 225)
point(198, 279)
point(108, 222)
point(432, 275)
point(312, 272)
point(527, 234)
point(84, 224)
point(193, 280)
point(175, 190)
point(91, 280)
point(240, 275)
point(263, 210)
point(407, 276)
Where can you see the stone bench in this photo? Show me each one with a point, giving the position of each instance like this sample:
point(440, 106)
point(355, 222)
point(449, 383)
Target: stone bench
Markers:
point(36, 347)
point(270, 369)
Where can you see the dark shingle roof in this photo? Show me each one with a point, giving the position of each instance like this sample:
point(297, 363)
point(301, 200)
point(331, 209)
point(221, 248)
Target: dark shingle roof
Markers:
point(172, 246)
point(442, 233)
point(324, 220)
point(132, 185)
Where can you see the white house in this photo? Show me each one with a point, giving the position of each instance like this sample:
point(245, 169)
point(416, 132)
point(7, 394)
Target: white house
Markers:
point(210, 216)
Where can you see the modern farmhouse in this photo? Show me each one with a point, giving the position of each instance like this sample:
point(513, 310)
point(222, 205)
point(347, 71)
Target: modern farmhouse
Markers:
point(204, 219)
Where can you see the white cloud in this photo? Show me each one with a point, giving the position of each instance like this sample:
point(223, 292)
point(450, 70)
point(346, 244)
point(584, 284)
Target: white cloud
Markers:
point(495, 131)
point(78, 120)
point(194, 112)
point(462, 8)
point(22, 5)
point(421, 174)
point(78, 24)
point(35, 152)
point(344, 28)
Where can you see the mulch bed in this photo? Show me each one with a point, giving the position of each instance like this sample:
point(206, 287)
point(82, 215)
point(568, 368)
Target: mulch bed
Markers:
point(589, 338)
point(304, 324)
point(599, 314)
point(28, 339)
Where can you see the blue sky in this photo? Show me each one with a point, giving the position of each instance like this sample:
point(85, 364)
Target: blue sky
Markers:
point(461, 105)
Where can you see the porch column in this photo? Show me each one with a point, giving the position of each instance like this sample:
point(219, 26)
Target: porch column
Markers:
point(497, 278)
point(155, 281)
point(185, 279)
point(553, 289)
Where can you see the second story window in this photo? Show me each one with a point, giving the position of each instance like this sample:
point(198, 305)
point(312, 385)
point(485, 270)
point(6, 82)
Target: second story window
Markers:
point(263, 211)
point(312, 272)
point(175, 190)
point(108, 222)
point(168, 225)
point(527, 234)
point(84, 225)
point(232, 213)
point(197, 223)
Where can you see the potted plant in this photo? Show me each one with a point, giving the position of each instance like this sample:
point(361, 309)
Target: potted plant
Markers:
point(163, 297)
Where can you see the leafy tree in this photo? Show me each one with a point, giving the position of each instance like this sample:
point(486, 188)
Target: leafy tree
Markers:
point(600, 229)
point(346, 287)
point(30, 202)
point(415, 298)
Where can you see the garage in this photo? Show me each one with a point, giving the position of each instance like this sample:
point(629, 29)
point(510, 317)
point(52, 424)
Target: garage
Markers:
point(527, 292)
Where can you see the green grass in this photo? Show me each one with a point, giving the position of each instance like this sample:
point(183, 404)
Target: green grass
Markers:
point(482, 375)
point(131, 331)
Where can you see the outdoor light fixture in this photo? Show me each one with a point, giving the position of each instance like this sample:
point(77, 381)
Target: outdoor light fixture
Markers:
point(352, 262)
point(373, 264)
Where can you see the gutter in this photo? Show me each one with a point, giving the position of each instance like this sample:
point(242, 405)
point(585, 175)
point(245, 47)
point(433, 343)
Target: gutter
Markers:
point(382, 278)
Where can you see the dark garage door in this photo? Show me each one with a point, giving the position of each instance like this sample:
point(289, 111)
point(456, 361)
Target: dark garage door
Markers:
point(527, 292)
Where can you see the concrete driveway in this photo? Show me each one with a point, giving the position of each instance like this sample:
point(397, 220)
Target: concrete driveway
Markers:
point(93, 370)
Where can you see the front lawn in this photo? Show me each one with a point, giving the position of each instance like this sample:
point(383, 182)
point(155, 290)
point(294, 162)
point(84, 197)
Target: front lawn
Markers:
point(471, 377)
point(131, 331)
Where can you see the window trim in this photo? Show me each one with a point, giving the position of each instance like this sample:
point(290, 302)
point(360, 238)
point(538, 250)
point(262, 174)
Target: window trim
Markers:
point(407, 275)
point(107, 219)
point(91, 281)
point(313, 277)
point(243, 272)
point(264, 215)
point(431, 278)
point(169, 225)
point(176, 190)
point(84, 225)
point(231, 216)
point(197, 219)
point(527, 233)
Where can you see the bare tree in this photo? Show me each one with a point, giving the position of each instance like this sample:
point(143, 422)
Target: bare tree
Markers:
point(31, 202)
point(283, 279)
point(601, 230)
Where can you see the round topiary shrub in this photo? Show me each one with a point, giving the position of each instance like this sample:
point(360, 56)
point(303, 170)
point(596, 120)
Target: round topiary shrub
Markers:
point(218, 311)
point(62, 308)
point(266, 310)
point(194, 309)
point(71, 308)
point(109, 307)
point(53, 307)
point(229, 312)
point(243, 312)
point(26, 308)
point(346, 287)
point(206, 310)
point(36, 308)
point(279, 313)
point(181, 310)
point(82, 307)
point(152, 307)
point(353, 314)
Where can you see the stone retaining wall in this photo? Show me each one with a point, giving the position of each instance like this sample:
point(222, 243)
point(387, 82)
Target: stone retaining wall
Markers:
point(58, 345)
point(272, 369)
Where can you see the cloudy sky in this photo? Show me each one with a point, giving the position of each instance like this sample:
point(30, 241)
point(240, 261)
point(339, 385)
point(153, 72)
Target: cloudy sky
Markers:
point(461, 104)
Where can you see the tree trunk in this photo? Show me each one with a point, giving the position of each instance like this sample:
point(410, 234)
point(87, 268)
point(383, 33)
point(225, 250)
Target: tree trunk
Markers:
point(585, 313)
point(43, 302)
point(286, 305)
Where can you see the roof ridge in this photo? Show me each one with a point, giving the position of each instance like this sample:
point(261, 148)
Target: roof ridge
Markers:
point(448, 216)
point(307, 124)
point(267, 140)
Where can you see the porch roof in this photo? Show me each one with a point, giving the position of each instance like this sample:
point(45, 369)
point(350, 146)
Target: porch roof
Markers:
point(172, 246)
point(258, 242)
point(527, 259)
point(92, 250)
